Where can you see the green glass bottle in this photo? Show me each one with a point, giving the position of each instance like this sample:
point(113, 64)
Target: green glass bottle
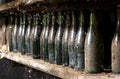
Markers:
point(115, 48)
point(27, 35)
point(23, 34)
point(32, 34)
point(94, 47)
point(10, 29)
point(36, 38)
point(58, 40)
point(79, 43)
point(51, 38)
point(44, 20)
point(65, 56)
point(14, 34)
point(71, 42)
point(45, 47)
point(19, 34)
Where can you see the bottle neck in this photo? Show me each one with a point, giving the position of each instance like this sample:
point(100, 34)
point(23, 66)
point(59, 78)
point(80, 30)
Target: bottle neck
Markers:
point(82, 20)
point(16, 20)
point(48, 19)
point(21, 21)
point(11, 20)
point(73, 20)
point(60, 19)
point(118, 21)
point(93, 20)
point(53, 20)
point(35, 20)
point(44, 20)
point(29, 20)
point(24, 19)
point(67, 20)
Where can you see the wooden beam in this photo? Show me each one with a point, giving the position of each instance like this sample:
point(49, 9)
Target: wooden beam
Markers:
point(10, 5)
point(57, 70)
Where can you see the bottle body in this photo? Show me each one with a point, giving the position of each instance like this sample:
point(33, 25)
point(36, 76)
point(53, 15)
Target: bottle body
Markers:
point(65, 57)
point(115, 47)
point(27, 40)
point(45, 55)
point(58, 46)
point(51, 38)
point(31, 40)
point(71, 42)
point(42, 42)
point(58, 40)
point(79, 43)
point(94, 48)
point(10, 29)
point(19, 48)
point(27, 37)
point(36, 42)
point(115, 54)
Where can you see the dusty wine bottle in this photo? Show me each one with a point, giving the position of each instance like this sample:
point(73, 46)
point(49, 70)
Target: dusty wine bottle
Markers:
point(10, 29)
point(44, 20)
point(45, 54)
point(115, 48)
point(19, 34)
point(65, 57)
point(71, 42)
point(58, 40)
point(23, 34)
point(27, 35)
point(51, 38)
point(94, 48)
point(36, 38)
point(14, 34)
point(79, 43)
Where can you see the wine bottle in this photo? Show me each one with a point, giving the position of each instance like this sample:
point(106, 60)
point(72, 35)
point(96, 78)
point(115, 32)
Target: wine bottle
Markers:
point(14, 34)
point(65, 56)
point(36, 38)
point(23, 34)
point(27, 35)
point(79, 43)
point(10, 29)
point(115, 47)
point(19, 34)
point(45, 47)
point(71, 42)
point(51, 38)
point(44, 20)
point(58, 39)
point(94, 47)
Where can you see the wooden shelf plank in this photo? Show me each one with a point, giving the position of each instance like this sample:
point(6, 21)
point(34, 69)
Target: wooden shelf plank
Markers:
point(10, 5)
point(57, 70)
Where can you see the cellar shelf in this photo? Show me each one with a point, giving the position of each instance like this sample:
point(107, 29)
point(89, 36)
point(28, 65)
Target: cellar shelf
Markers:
point(56, 70)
